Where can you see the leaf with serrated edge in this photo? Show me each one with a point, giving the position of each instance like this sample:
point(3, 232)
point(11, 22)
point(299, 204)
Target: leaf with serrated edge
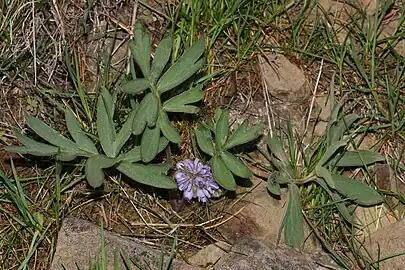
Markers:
point(190, 96)
point(243, 134)
point(75, 130)
point(105, 128)
point(140, 49)
point(357, 191)
point(162, 56)
point(124, 134)
point(136, 86)
point(222, 130)
point(222, 174)
point(330, 151)
point(204, 139)
point(359, 158)
point(184, 68)
point(326, 175)
point(139, 123)
point(134, 155)
point(236, 166)
point(49, 134)
point(150, 143)
point(145, 174)
point(294, 226)
point(167, 129)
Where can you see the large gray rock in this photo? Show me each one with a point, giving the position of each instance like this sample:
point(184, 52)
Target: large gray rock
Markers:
point(79, 243)
point(254, 254)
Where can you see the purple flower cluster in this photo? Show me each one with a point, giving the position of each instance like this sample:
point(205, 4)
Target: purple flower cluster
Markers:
point(196, 181)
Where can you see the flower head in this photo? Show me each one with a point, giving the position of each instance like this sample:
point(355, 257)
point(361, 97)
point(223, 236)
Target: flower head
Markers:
point(196, 181)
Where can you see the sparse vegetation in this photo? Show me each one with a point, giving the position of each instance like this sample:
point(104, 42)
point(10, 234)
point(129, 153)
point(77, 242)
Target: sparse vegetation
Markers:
point(91, 62)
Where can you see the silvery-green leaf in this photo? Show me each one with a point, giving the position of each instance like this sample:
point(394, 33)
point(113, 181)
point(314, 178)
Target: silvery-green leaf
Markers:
point(105, 127)
point(273, 187)
point(281, 177)
point(337, 199)
point(326, 175)
point(192, 95)
point(330, 151)
point(338, 129)
point(147, 175)
point(65, 156)
point(167, 128)
point(236, 166)
point(222, 174)
point(146, 112)
point(152, 112)
point(162, 56)
point(294, 226)
point(134, 155)
point(124, 134)
point(359, 158)
point(94, 169)
point(183, 109)
point(275, 145)
point(109, 102)
point(243, 134)
point(184, 68)
point(135, 86)
point(140, 49)
point(204, 139)
point(49, 134)
point(357, 191)
point(75, 130)
point(150, 143)
point(32, 147)
point(218, 113)
point(222, 130)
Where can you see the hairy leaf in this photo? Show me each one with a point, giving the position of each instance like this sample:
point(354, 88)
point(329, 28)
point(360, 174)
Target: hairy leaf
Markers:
point(146, 174)
point(236, 166)
point(150, 143)
point(222, 174)
point(81, 139)
point(330, 151)
point(359, 158)
point(140, 49)
point(294, 226)
point(326, 175)
point(243, 134)
point(222, 130)
point(273, 187)
point(162, 56)
point(49, 134)
point(275, 145)
point(338, 129)
point(105, 127)
point(191, 109)
point(135, 86)
point(31, 146)
point(146, 112)
point(204, 139)
point(357, 191)
point(134, 155)
point(192, 95)
point(93, 169)
point(167, 129)
point(124, 134)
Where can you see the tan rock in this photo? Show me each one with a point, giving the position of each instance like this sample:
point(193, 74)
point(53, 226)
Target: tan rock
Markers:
point(210, 254)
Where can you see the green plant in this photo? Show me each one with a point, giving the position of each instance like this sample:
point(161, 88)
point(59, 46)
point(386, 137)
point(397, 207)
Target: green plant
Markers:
point(225, 164)
point(324, 162)
point(151, 119)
